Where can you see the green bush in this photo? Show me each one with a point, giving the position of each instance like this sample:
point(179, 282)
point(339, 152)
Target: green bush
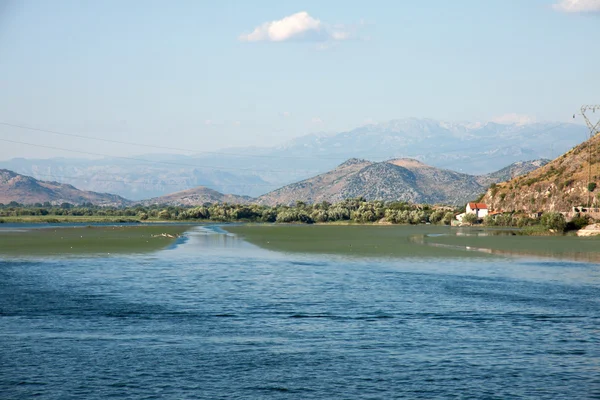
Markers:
point(436, 216)
point(489, 220)
point(577, 223)
point(470, 218)
point(448, 217)
point(592, 186)
point(526, 221)
point(553, 221)
point(164, 214)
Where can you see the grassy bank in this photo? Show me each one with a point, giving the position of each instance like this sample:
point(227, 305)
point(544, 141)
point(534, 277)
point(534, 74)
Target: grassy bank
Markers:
point(87, 240)
point(55, 219)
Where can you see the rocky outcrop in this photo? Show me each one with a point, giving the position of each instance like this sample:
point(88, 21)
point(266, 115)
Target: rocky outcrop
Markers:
point(569, 181)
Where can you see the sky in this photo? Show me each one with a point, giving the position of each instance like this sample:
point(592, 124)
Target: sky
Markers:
point(206, 75)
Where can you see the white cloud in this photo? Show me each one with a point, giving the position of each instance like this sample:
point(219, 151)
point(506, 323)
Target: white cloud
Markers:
point(514, 118)
point(286, 114)
point(316, 120)
point(296, 26)
point(578, 6)
point(208, 122)
point(236, 123)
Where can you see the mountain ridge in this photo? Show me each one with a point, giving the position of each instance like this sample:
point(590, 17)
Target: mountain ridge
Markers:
point(28, 190)
point(196, 197)
point(559, 185)
point(466, 147)
point(392, 180)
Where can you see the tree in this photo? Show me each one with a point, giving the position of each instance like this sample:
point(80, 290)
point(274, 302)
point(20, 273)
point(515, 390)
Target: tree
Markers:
point(319, 215)
point(269, 215)
point(554, 221)
point(436, 216)
point(489, 220)
point(470, 218)
point(164, 214)
point(448, 217)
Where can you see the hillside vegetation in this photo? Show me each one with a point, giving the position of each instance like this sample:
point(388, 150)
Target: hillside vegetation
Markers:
point(557, 186)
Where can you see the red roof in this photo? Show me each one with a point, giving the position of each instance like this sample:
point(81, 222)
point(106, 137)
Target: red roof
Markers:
point(478, 206)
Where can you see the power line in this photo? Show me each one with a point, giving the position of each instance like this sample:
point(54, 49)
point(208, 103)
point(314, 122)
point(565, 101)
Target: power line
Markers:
point(150, 161)
point(219, 153)
point(81, 178)
point(265, 156)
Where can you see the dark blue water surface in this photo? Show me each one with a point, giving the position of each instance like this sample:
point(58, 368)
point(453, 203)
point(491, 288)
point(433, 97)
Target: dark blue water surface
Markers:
point(215, 318)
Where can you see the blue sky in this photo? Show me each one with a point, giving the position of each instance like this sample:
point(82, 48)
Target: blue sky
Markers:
point(207, 75)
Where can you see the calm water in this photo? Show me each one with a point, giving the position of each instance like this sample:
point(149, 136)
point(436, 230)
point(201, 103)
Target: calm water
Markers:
point(216, 318)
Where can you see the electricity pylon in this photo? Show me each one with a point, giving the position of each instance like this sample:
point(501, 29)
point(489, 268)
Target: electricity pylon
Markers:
point(594, 130)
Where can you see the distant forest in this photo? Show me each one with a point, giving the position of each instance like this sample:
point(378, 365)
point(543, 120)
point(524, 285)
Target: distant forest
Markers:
point(352, 210)
point(356, 210)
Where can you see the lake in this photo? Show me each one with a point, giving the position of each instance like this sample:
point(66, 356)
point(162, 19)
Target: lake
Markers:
point(224, 316)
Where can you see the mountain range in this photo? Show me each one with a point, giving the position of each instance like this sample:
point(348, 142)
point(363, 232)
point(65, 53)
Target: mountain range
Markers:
point(394, 180)
point(469, 148)
point(406, 180)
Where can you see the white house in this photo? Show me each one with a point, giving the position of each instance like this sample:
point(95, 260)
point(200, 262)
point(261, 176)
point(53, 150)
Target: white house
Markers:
point(479, 209)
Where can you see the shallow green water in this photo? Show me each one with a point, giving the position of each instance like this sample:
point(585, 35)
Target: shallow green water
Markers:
point(510, 244)
point(415, 241)
point(87, 240)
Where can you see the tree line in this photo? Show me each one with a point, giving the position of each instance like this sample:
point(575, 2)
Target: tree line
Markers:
point(356, 210)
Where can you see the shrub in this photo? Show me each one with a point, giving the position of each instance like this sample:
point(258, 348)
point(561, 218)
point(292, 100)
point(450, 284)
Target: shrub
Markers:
point(493, 189)
point(436, 216)
point(553, 221)
point(489, 220)
point(591, 186)
point(448, 217)
point(164, 214)
point(525, 221)
point(470, 218)
point(577, 223)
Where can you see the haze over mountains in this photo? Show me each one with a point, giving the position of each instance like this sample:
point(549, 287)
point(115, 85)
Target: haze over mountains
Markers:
point(470, 148)
point(395, 180)
point(27, 190)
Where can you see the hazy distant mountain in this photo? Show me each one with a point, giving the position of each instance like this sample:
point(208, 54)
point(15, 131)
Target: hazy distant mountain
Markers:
point(395, 180)
point(138, 180)
point(470, 148)
point(27, 190)
point(197, 197)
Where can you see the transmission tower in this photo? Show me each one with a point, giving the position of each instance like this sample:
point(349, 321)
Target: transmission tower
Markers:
point(594, 130)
